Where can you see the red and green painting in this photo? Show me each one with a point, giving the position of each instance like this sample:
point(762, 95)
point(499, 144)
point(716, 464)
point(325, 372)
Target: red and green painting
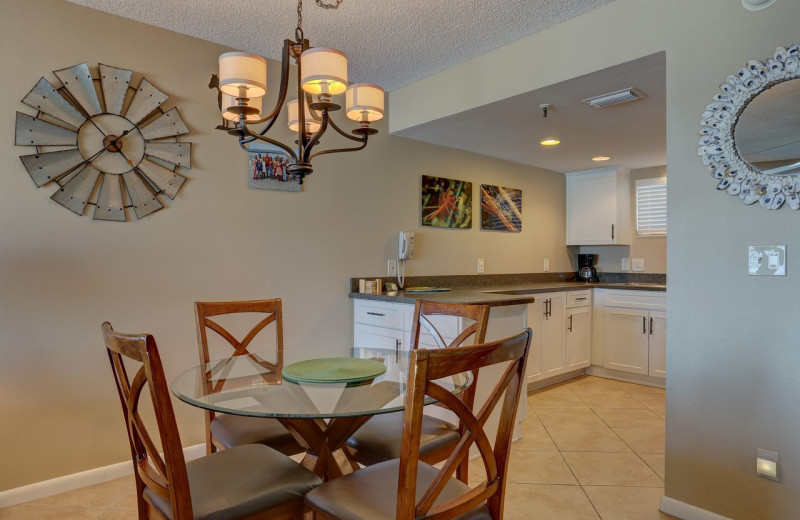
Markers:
point(446, 203)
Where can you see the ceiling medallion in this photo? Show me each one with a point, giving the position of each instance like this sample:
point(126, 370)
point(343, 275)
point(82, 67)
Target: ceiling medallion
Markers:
point(114, 151)
point(321, 74)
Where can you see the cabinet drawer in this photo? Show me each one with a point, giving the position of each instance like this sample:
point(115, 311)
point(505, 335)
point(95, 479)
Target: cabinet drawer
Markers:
point(650, 300)
point(373, 313)
point(579, 298)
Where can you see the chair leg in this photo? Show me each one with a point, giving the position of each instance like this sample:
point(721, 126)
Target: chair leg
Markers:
point(462, 471)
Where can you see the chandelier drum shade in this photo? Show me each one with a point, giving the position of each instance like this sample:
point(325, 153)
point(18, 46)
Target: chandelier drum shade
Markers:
point(321, 75)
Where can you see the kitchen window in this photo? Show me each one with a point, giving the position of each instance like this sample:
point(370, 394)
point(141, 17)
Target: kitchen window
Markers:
point(651, 207)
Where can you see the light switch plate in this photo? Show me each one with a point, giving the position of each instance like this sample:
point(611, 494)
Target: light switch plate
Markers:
point(625, 264)
point(767, 260)
point(480, 265)
point(546, 265)
point(637, 264)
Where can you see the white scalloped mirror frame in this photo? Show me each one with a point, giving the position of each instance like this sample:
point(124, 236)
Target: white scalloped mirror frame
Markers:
point(718, 149)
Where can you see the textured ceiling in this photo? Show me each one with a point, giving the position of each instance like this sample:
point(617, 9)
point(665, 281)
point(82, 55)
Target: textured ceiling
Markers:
point(388, 43)
point(632, 134)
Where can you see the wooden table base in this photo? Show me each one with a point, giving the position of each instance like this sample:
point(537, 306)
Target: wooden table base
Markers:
point(326, 453)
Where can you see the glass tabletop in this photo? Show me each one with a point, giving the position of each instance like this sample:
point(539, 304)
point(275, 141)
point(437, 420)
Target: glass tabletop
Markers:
point(305, 383)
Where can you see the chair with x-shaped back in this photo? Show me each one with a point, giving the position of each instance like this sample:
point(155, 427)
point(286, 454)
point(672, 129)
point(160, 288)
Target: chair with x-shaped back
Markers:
point(380, 438)
point(223, 430)
point(408, 488)
point(242, 483)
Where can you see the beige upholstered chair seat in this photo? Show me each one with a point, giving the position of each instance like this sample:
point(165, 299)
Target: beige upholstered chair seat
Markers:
point(240, 482)
point(371, 493)
point(381, 438)
point(236, 430)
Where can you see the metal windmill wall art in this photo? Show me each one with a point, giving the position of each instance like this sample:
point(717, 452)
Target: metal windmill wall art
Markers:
point(103, 142)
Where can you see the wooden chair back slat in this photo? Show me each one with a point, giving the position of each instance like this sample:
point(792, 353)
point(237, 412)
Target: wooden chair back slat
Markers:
point(273, 311)
point(426, 367)
point(163, 474)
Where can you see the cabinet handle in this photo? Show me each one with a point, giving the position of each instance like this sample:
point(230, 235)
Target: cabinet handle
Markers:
point(612, 231)
point(579, 299)
point(644, 325)
point(651, 326)
point(375, 314)
point(570, 322)
point(397, 350)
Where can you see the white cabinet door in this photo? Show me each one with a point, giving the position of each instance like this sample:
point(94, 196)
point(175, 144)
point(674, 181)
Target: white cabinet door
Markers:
point(626, 341)
point(597, 207)
point(368, 336)
point(579, 337)
point(658, 344)
point(547, 317)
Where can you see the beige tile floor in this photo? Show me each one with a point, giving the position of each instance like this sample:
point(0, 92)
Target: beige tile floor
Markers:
point(593, 449)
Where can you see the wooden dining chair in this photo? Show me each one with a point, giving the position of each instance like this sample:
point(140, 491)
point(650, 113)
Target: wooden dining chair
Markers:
point(226, 431)
point(408, 488)
point(380, 438)
point(246, 482)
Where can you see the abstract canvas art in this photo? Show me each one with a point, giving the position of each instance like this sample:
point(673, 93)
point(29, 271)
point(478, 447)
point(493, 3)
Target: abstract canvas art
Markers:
point(501, 208)
point(446, 203)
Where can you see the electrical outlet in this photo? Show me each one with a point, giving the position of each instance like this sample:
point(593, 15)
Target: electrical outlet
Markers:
point(480, 265)
point(391, 268)
point(546, 266)
point(625, 264)
point(638, 264)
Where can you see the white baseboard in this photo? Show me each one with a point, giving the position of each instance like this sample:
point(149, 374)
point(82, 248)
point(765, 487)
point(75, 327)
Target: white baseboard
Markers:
point(46, 488)
point(687, 512)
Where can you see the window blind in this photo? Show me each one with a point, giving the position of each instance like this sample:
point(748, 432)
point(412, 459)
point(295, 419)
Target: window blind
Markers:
point(651, 207)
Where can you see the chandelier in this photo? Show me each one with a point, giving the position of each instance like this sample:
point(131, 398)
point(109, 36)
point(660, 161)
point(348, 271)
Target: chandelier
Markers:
point(321, 75)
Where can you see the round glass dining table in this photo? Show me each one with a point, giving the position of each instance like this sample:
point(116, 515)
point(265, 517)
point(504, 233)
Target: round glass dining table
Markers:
point(322, 398)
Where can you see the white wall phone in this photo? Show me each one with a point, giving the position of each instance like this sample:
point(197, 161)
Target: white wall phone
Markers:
point(405, 251)
point(405, 245)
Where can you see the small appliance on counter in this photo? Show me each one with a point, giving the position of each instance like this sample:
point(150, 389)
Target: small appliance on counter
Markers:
point(586, 269)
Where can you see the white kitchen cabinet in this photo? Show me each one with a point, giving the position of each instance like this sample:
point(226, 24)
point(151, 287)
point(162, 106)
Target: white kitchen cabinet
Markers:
point(579, 337)
point(549, 323)
point(598, 207)
point(627, 341)
point(635, 332)
point(658, 344)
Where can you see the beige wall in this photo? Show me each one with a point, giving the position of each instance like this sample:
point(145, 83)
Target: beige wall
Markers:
point(652, 249)
point(61, 275)
point(732, 353)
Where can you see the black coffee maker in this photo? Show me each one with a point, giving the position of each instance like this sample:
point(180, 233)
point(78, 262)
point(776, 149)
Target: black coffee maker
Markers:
point(586, 270)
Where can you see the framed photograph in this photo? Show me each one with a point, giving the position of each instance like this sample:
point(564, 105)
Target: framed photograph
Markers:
point(267, 169)
point(501, 208)
point(446, 203)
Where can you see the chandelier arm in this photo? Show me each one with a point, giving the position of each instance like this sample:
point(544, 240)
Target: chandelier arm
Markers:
point(314, 140)
point(281, 93)
point(337, 150)
point(253, 136)
point(344, 133)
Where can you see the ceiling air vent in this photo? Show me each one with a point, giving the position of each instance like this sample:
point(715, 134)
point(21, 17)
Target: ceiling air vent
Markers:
point(615, 98)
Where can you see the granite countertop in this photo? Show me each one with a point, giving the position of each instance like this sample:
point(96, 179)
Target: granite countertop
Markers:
point(505, 294)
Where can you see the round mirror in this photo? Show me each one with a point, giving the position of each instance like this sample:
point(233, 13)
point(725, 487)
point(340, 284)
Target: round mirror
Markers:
point(750, 134)
point(767, 134)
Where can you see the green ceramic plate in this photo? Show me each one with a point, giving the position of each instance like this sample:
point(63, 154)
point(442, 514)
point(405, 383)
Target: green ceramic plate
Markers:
point(333, 370)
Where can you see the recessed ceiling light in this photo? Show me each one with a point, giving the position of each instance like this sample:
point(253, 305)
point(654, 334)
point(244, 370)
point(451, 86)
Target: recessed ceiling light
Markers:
point(550, 142)
point(601, 158)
